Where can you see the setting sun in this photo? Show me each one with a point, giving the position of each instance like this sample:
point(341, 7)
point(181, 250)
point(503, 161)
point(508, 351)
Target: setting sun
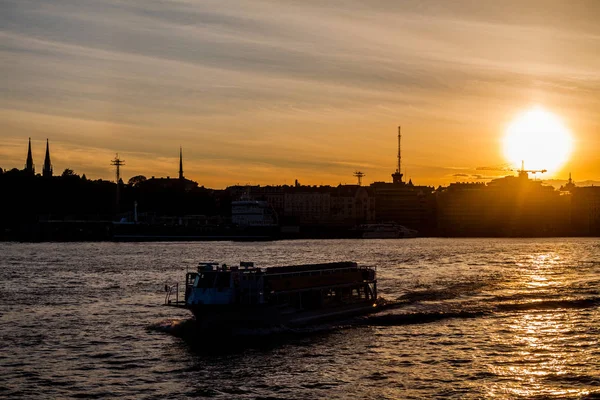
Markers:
point(538, 138)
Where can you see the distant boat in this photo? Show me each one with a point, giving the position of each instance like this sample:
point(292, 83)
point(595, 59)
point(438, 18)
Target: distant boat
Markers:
point(248, 213)
point(387, 230)
point(244, 296)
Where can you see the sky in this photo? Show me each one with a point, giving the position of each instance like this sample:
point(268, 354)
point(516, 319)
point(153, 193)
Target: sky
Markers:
point(266, 92)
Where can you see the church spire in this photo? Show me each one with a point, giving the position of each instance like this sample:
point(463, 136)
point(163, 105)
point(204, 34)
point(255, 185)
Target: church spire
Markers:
point(47, 171)
point(570, 184)
point(180, 163)
point(29, 167)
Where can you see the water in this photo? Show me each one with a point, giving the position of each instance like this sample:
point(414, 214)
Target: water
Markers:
point(474, 318)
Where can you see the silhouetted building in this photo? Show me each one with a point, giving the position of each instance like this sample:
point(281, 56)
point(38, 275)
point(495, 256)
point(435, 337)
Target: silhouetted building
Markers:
point(167, 183)
point(47, 171)
point(569, 186)
point(397, 177)
point(308, 205)
point(585, 210)
point(29, 166)
point(406, 204)
point(352, 205)
point(461, 209)
point(344, 205)
point(509, 206)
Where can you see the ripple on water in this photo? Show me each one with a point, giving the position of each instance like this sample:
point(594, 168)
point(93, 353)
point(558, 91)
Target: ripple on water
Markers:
point(472, 318)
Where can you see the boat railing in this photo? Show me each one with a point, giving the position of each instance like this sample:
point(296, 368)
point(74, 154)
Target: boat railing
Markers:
point(170, 291)
point(317, 288)
point(324, 271)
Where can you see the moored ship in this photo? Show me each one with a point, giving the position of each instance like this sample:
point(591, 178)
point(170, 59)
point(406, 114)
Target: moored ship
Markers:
point(388, 230)
point(252, 213)
point(222, 297)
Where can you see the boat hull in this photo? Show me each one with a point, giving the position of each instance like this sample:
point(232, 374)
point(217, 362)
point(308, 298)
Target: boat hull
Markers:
point(228, 317)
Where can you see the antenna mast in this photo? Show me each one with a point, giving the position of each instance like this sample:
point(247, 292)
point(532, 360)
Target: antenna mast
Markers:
point(180, 163)
point(399, 152)
point(359, 175)
point(117, 162)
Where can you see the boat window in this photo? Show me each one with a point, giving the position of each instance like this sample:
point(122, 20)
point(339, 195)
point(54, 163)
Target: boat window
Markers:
point(223, 279)
point(205, 280)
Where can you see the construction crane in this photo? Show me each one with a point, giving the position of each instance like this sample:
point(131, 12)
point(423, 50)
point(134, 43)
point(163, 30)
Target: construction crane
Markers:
point(523, 173)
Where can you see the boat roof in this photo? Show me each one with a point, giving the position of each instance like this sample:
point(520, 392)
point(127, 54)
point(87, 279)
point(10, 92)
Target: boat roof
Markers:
point(312, 267)
point(249, 266)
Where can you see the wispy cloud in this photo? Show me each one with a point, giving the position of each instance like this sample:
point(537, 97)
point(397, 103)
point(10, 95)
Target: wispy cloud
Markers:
point(297, 89)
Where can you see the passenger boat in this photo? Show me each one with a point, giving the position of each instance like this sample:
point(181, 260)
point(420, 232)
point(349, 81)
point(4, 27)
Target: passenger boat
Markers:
point(388, 230)
point(252, 213)
point(222, 297)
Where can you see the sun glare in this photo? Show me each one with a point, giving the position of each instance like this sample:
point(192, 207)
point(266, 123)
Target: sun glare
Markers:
point(539, 139)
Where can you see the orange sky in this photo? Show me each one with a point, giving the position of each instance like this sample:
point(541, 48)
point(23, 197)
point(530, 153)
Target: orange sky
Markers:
point(267, 91)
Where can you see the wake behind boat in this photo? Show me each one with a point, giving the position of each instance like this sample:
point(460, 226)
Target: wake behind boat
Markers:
point(245, 296)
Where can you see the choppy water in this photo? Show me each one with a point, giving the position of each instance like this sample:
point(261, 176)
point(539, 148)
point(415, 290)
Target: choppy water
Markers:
point(476, 318)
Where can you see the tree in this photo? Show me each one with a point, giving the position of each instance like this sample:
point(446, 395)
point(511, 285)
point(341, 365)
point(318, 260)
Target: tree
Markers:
point(136, 180)
point(68, 173)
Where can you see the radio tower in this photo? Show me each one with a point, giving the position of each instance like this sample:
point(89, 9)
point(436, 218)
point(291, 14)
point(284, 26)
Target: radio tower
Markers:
point(399, 149)
point(180, 163)
point(397, 176)
point(359, 175)
point(117, 162)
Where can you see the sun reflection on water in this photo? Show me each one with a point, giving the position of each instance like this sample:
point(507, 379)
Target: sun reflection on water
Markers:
point(536, 356)
point(540, 271)
point(541, 348)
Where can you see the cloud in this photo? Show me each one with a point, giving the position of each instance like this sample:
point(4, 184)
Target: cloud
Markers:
point(296, 88)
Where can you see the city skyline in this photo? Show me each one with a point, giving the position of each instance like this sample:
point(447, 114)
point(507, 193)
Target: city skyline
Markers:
point(271, 92)
point(47, 171)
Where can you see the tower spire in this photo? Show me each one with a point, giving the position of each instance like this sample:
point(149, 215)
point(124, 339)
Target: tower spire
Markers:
point(397, 176)
point(399, 152)
point(570, 184)
point(180, 163)
point(47, 171)
point(29, 167)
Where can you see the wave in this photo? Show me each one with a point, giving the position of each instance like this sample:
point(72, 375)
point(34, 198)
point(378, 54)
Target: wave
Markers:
point(446, 293)
point(189, 330)
point(543, 305)
point(175, 327)
point(583, 379)
point(418, 317)
point(388, 315)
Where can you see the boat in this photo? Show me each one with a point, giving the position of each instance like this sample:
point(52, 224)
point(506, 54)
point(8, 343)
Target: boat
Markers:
point(245, 296)
point(247, 213)
point(387, 230)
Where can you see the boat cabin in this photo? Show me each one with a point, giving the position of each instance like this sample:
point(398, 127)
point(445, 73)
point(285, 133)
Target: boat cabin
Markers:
point(311, 286)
